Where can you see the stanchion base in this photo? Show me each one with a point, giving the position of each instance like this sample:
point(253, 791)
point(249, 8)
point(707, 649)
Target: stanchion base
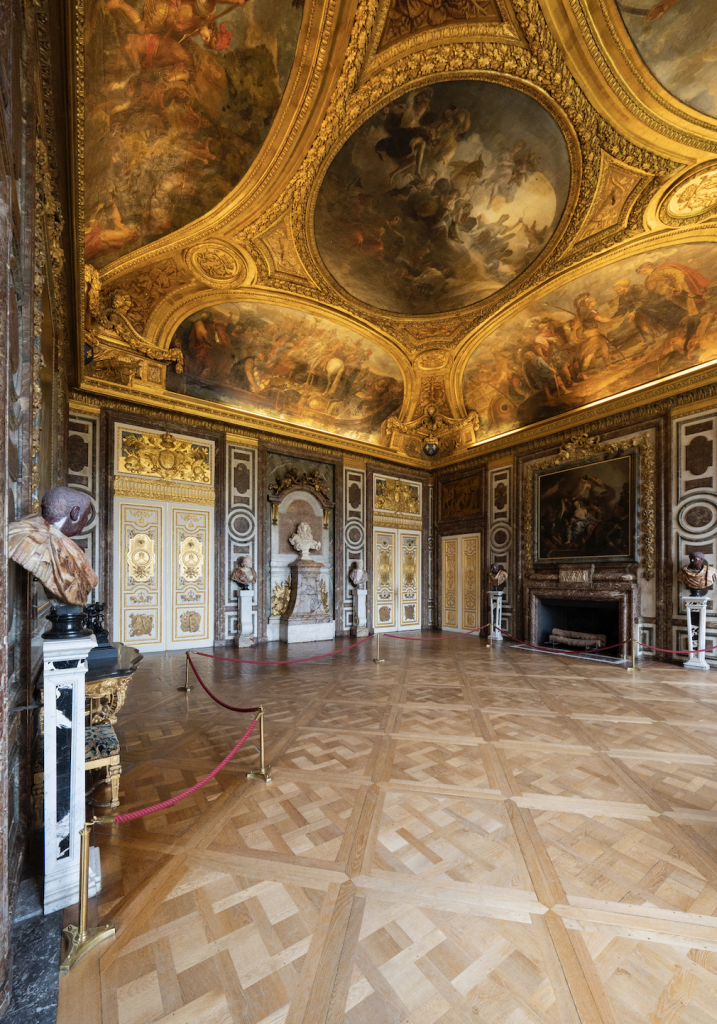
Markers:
point(185, 689)
point(77, 949)
point(379, 661)
point(263, 775)
point(633, 670)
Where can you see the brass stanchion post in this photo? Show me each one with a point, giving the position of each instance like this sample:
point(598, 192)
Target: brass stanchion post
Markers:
point(378, 659)
point(186, 688)
point(264, 771)
point(81, 940)
point(490, 630)
point(633, 667)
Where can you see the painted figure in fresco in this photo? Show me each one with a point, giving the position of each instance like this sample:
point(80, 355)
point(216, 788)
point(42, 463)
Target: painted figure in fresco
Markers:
point(592, 342)
point(210, 348)
point(43, 545)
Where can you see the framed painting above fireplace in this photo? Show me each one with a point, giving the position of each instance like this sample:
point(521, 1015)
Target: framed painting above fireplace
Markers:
point(587, 513)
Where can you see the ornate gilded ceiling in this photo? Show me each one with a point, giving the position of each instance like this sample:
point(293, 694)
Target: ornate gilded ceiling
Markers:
point(398, 226)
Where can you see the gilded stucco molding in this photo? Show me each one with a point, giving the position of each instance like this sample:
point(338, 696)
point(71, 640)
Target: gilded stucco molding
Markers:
point(583, 448)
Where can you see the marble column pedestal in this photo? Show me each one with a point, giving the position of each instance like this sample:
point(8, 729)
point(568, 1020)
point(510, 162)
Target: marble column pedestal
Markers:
point(245, 637)
point(305, 618)
point(696, 633)
point(360, 623)
point(496, 615)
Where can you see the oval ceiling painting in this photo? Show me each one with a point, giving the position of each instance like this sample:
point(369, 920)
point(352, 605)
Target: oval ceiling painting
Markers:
point(677, 39)
point(618, 327)
point(442, 197)
point(289, 365)
point(179, 96)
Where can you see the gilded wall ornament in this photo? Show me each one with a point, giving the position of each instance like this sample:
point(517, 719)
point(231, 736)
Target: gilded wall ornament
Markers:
point(280, 596)
point(191, 559)
point(392, 495)
point(141, 625)
point(165, 456)
point(693, 198)
point(292, 479)
point(190, 622)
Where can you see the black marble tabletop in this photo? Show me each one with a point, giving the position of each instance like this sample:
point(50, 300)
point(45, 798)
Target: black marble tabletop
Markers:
point(111, 662)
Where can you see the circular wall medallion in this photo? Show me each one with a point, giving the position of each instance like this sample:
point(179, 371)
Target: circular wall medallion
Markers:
point(354, 535)
point(436, 359)
point(698, 515)
point(500, 538)
point(216, 262)
point(442, 197)
point(692, 198)
point(241, 525)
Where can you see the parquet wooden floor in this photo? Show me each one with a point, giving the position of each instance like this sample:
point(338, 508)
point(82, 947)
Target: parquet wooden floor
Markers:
point(461, 834)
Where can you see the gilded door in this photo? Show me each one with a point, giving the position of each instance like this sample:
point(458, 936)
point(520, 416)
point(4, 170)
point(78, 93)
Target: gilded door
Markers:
point(162, 574)
point(461, 582)
point(396, 579)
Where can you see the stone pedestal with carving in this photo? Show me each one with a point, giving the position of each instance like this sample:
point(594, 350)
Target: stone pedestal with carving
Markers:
point(307, 616)
point(496, 615)
point(65, 666)
point(360, 623)
point(246, 636)
point(696, 631)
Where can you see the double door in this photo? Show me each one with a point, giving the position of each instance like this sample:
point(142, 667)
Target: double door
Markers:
point(163, 575)
point(460, 582)
point(396, 579)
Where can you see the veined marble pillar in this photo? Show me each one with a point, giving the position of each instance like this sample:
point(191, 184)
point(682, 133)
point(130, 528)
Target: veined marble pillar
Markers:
point(307, 616)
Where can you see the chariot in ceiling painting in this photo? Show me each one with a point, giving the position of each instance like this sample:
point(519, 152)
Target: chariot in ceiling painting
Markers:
point(179, 96)
point(622, 326)
point(442, 197)
point(288, 365)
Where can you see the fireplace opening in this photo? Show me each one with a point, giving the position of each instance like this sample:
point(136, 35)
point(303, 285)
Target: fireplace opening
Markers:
point(595, 617)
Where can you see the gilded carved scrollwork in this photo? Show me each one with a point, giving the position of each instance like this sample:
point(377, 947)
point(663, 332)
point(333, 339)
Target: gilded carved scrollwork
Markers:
point(581, 448)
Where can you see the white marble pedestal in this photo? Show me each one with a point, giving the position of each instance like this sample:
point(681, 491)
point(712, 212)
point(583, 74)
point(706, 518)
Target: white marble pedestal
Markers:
point(64, 767)
point(360, 622)
point(306, 619)
point(496, 615)
point(696, 633)
point(246, 636)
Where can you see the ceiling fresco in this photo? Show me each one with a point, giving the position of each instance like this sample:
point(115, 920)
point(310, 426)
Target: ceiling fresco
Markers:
point(397, 226)
point(677, 39)
point(288, 365)
point(633, 321)
point(442, 197)
point(179, 97)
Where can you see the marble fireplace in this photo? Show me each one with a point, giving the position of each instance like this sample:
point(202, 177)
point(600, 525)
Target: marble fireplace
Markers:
point(584, 599)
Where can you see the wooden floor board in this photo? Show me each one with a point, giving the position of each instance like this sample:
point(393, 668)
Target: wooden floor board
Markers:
point(459, 834)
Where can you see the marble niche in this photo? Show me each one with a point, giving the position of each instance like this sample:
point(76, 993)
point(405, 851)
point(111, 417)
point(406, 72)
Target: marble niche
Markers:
point(301, 606)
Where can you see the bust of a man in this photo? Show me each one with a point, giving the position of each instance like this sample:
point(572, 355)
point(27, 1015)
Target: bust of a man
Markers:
point(698, 575)
point(358, 575)
point(303, 541)
point(42, 545)
point(497, 577)
point(245, 573)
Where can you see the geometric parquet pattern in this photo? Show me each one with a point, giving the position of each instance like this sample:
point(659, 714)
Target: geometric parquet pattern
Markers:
point(460, 834)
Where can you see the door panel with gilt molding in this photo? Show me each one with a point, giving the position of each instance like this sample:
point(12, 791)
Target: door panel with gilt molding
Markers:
point(460, 582)
point(162, 575)
point(396, 579)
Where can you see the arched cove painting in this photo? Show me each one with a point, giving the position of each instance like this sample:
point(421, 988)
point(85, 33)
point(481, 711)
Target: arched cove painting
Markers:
point(179, 97)
point(677, 39)
point(642, 318)
point(442, 197)
point(289, 365)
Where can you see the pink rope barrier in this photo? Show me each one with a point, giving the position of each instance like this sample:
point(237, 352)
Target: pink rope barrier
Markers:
point(206, 689)
point(293, 661)
point(133, 815)
point(551, 650)
point(430, 639)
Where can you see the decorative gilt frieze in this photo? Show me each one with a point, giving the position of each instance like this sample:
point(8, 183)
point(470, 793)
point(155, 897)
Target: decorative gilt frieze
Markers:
point(581, 448)
point(162, 490)
point(393, 495)
point(164, 456)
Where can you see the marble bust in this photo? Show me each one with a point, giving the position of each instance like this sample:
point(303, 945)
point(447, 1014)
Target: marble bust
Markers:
point(698, 575)
point(42, 544)
point(303, 541)
point(358, 575)
point(244, 574)
point(497, 577)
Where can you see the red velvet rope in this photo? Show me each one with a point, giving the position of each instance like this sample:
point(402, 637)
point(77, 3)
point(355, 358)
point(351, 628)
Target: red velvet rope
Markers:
point(133, 815)
point(294, 661)
point(206, 689)
point(666, 650)
point(430, 639)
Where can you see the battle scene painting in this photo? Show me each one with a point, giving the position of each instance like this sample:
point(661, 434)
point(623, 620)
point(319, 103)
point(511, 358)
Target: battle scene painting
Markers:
point(639, 319)
point(677, 39)
point(179, 97)
point(289, 365)
point(587, 512)
point(442, 197)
